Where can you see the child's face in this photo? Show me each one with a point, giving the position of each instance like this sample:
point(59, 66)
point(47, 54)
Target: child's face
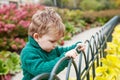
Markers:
point(48, 42)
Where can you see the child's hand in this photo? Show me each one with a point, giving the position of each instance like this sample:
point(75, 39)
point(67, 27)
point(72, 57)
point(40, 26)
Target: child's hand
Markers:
point(72, 53)
point(80, 47)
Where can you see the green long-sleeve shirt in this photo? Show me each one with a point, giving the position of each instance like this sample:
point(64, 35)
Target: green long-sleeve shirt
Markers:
point(36, 61)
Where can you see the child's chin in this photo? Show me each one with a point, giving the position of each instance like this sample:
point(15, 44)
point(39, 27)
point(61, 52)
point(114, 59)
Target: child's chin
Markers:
point(48, 50)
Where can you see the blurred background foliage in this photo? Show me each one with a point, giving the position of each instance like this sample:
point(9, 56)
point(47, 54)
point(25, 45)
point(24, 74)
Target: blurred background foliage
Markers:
point(77, 15)
point(84, 4)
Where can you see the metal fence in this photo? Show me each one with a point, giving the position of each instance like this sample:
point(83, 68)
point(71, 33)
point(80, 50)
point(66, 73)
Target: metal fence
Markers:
point(91, 57)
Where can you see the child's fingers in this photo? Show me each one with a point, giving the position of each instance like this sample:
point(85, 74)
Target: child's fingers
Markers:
point(81, 47)
point(71, 53)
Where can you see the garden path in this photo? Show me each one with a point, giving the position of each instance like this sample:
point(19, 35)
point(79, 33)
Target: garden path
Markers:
point(79, 37)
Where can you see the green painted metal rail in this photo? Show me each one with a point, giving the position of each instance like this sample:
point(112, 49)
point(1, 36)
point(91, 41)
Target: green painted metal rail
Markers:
point(94, 51)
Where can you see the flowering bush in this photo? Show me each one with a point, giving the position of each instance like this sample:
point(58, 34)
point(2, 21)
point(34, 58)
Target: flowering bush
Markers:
point(111, 67)
point(13, 25)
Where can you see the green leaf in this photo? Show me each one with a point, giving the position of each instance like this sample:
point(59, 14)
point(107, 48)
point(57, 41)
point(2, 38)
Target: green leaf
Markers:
point(3, 68)
point(10, 62)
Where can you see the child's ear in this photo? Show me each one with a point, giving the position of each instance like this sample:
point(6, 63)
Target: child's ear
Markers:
point(36, 36)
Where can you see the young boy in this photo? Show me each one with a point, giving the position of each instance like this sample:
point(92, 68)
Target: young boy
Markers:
point(41, 53)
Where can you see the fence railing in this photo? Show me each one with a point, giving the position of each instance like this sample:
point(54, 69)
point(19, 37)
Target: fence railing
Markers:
point(91, 57)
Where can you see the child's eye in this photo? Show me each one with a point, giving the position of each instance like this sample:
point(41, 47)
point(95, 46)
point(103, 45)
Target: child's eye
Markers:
point(52, 41)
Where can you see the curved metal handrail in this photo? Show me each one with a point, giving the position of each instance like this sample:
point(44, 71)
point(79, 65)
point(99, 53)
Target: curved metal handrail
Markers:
point(71, 61)
point(53, 73)
point(41, 76)
point(99, 40)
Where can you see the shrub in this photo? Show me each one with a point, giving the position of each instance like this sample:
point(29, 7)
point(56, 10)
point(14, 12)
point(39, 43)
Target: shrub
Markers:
point(111, 67)
point(14, 23)
point(9, 63)
point(73, 18)
point(99, 16)
point(89, 5)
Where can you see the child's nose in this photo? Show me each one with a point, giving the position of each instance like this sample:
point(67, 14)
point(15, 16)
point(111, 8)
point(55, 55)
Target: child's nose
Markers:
point(55, 44)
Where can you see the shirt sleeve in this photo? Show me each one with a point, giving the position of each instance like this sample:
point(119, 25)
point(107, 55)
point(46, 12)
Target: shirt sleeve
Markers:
point(62, 49)
point(35, 65)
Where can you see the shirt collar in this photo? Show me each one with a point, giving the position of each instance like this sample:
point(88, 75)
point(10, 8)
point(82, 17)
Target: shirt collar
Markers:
point(33, 42)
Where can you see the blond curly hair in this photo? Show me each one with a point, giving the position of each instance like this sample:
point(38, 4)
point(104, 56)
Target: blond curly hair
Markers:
point(44, 21)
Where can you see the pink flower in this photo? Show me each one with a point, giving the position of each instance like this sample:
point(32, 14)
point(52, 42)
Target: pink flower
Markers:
point(5, 29)
point(24, 14)
point(4, 5)
point(14, 19)
point(5, 8)
point(10, 26)
point(17, 39)
point(23, 23)
point(2, 11)
point(13, 6)
point(5, 17)
point(14, 46)
point(2, 23)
